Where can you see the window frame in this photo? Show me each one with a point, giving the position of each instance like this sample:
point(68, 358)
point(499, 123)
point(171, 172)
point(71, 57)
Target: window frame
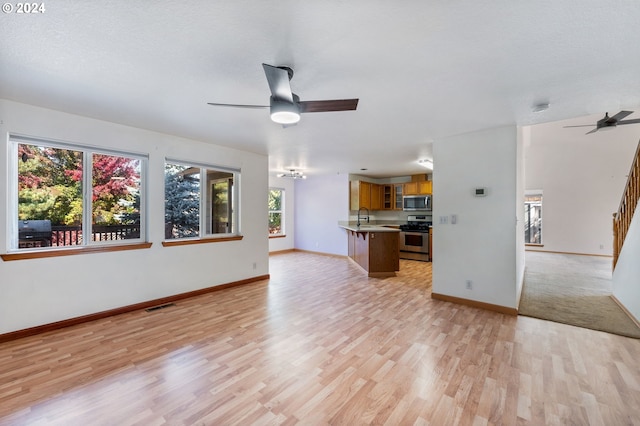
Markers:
point(282, 232)
point(204, 208)
point(87, 150)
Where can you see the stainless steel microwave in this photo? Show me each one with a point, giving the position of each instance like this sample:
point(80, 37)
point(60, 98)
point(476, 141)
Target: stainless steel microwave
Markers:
point(414, 203)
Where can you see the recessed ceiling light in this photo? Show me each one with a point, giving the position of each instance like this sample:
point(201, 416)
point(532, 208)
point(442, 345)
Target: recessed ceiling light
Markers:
point(364, 170)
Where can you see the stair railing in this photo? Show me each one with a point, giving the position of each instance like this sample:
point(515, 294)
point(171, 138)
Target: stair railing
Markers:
point(622, 218)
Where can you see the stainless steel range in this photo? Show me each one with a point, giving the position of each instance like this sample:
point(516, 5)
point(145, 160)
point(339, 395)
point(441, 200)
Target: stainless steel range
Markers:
point(414, 238)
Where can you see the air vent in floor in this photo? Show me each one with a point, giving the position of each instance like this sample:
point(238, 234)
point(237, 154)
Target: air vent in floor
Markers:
point(155, 308)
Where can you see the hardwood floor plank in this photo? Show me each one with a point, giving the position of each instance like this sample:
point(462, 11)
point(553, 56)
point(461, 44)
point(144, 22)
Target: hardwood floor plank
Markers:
point(320, 343)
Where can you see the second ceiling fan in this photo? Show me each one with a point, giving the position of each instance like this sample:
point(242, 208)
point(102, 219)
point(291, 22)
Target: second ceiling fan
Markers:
point(285, 106)
point(609, 122)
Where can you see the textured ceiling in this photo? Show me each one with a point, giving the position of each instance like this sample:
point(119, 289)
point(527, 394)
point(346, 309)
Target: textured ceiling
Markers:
point(423, 70)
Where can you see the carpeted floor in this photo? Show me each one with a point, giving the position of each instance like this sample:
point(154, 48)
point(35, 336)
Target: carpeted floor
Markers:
point(573, 289)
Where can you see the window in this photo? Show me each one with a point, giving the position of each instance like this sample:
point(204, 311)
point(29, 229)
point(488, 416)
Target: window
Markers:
point(533, 218)
point(68, 195)
point(276, 212)
point(193, 209)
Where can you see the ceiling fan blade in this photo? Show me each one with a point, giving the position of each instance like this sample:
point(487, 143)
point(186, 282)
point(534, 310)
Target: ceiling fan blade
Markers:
point(619, 116)
point(635, 120)
point(278, 79)
point(239, 106)
point(330, 105)
point(592, 131)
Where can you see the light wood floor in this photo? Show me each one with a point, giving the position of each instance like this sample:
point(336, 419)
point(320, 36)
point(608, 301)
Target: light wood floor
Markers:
point(321, 344)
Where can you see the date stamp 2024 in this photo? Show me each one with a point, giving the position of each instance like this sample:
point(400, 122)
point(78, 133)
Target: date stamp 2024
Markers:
point(23, 8)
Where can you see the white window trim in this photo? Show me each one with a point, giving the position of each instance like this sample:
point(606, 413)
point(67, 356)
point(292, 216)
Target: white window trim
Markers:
point(281, 211)
point(87, 191)
point(235, 204)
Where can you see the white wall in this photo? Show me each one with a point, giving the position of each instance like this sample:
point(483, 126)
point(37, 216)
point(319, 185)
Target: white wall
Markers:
point(582, 178)
point(481, 247)
point(626, 276)
point(523, 137)
point(40, 291)
point(284, 243)
point(321, 202)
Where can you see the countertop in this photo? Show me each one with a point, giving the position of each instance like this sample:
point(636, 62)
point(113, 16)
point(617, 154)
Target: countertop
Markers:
point(366, 227)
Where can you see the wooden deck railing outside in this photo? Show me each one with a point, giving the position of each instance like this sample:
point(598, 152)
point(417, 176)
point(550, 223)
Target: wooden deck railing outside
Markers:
point(622, 218)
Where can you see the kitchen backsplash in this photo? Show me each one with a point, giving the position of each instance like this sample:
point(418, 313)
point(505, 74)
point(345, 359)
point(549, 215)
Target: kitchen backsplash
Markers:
point(390, 216)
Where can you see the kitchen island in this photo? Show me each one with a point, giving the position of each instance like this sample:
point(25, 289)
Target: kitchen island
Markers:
point(374, 248)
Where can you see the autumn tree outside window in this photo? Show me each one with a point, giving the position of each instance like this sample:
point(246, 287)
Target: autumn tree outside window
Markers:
point(88, 196)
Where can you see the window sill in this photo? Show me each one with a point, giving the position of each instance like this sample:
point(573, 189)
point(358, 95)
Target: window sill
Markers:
point(277, 236)
point(533, 245)
point(172, 243)
point(72, 251)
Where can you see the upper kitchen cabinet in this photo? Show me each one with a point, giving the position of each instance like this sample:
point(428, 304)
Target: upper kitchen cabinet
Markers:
point(376, 197)
point(410, 188)
point(418, 186)
point(365, 195)
point(386, 196)
point(425, 187)
point(360, 195)
point(397, 196)
point(388, 202)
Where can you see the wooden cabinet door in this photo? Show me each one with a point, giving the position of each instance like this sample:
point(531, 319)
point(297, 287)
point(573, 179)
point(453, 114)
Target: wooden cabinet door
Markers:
point(387, 196)
point(360, 195)
point(365, 195)
point(354, 195)
point(425, 187)
point(410, 188)
point(376, 196)
point(397, 196)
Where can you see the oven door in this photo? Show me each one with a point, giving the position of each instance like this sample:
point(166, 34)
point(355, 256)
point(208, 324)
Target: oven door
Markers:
point(417, 242)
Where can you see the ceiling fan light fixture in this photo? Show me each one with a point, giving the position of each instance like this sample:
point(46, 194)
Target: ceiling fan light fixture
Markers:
point(426, 163)
point(283, 112)
point(292, 174)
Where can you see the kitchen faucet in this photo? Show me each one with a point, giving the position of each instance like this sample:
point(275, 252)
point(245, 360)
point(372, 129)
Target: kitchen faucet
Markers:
point(358, 224)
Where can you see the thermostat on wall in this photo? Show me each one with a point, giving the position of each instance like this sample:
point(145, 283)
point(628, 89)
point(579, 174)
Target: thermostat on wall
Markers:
point(480, 192)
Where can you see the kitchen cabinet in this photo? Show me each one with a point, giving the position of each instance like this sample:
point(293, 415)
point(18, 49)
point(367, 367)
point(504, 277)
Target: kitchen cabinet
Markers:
point(376, 197)
point(425, 187)
point(397, 196)
point(387, 197)
point(360, 195)
point(410, 188)
point(377, 252)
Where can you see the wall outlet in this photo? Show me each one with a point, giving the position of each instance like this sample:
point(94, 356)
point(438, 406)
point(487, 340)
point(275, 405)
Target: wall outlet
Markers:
point(601, 246)
point(469, 285)
point(255, 265)
point(444, 220)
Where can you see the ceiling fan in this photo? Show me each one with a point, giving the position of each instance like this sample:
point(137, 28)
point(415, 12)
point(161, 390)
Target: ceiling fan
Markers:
point(285, 106)
point(610, 122)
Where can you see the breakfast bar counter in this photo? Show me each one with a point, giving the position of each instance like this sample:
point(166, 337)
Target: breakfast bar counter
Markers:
point(374, 248)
